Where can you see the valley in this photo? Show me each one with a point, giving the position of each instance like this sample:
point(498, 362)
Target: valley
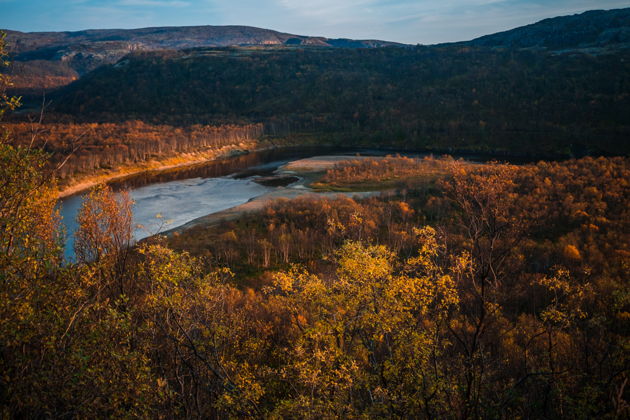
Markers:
point(226, 222)
point(224, 189)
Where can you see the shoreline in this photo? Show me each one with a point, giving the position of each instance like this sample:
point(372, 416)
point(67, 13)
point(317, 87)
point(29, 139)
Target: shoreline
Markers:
point(258, 204)
point(166, 164)
point(249, 146)
point(307, 169)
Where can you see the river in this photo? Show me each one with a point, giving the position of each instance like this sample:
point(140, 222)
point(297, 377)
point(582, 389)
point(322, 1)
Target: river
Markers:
point(168, 199)
point(164, 200)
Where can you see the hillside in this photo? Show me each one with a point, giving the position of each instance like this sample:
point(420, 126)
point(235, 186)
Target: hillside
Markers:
point(437, 98)
point(559, 87)
point(252, 231)
point(595, 30)
point(45, 60)
point(49, 60)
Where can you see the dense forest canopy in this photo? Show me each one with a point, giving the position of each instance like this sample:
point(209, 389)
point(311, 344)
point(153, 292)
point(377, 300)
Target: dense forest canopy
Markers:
point(594, 30)
point(439, 98)
point(463, 291)
point(499, 291)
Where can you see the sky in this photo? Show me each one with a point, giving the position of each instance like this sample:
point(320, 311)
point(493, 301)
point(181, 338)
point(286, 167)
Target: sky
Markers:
point(408, 21)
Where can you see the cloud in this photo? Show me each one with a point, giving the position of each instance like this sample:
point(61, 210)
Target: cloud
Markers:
point(326, 7)
point(410, 21)
point(154, 3)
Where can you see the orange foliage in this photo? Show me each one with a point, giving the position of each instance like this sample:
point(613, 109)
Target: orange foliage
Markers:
point(384, 169)
point(94, 146)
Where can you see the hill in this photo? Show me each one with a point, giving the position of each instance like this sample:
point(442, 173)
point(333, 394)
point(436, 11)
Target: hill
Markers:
point(45, 60)
point(594, 30)
point(559, 87)
point(437, 98)
point(49, 60)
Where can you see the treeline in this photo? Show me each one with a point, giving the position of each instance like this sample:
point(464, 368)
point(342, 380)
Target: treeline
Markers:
point(89, 146)
point(436, 98)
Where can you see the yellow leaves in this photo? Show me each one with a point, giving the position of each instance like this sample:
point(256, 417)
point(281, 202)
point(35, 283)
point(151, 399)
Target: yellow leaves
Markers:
point(566, 300)
point(373, 314)
point(333, 225)
point(428, 248)
point(105, 225)
point(229, 236)
point(554, 316)
point(284, 282)
point(558, 282)
point(447, 291)
point(296, 280)
point(165, 270)
point(356, 219)
point(361, 264)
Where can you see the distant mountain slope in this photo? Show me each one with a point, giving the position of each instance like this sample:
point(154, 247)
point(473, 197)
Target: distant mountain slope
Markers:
point(439, 98)
point(170, 38)
point(592, 29)
point(47, 60)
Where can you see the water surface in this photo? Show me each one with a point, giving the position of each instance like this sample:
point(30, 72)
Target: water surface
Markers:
point(167, 199)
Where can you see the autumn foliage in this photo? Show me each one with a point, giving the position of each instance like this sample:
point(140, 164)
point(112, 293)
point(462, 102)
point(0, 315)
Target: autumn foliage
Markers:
point(381, 170)
point(497, 291)
point(87, 147)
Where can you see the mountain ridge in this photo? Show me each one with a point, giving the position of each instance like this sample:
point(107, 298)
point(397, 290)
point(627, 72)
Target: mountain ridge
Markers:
point(48, 60)
point(590, 29)
point(45, 61)
point(162, 37)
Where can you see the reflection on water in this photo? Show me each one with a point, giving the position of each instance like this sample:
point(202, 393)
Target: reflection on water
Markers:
point(166, 205)
point(178, 202)
point(246, 165)
point(179, 196)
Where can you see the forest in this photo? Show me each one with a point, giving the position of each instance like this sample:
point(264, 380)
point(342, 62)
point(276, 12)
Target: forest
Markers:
point(440, 98)
point(493, 291)
point(464, 291)
point(87, 147)
point(446, 99)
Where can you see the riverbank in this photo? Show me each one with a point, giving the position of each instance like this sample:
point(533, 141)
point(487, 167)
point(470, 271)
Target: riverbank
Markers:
point(258, 204)
point(184, 160)
point(308, 170)
point(189, 192)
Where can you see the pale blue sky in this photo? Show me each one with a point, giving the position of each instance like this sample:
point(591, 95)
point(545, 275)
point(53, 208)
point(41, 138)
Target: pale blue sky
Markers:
point(410, 21)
